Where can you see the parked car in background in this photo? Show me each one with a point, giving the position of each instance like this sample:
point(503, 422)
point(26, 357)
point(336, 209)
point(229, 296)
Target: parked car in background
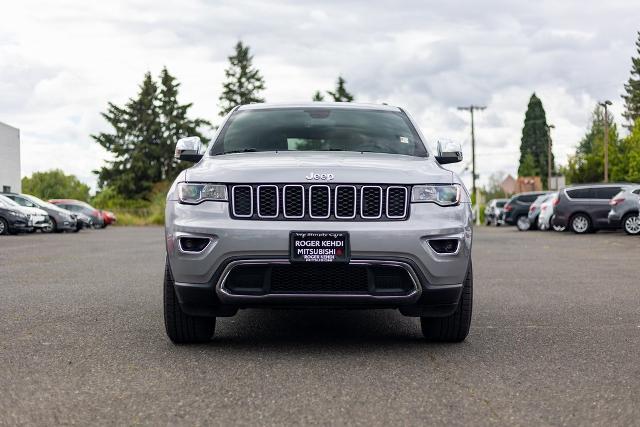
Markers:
point(108, 217)
point(624, 209)
point(545, 218)
point(535, 209)
point(516, 211)
point(37, 218)
point(493, 212)
point(84, 221)
point(585, 208)
point(12, 218)
point(60, 219)
point(75, 206)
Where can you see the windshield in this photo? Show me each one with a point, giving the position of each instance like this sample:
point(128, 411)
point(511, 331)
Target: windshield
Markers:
point(500, 204)
point(8, 202)
point(319, 129)
point(41, 202)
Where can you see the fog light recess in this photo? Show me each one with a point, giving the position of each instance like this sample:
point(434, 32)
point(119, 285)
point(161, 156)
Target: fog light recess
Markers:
point(193, 244)
point(444, 246)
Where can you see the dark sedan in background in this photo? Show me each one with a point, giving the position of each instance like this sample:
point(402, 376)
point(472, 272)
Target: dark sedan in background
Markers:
point(61, 219)
point(12, 220)
point(516, 211)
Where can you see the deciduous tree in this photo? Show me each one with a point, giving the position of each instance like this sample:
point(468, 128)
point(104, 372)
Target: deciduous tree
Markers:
point(55, 184)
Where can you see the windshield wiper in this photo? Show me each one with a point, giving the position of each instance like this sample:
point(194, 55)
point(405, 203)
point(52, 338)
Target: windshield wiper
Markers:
point(244, 150)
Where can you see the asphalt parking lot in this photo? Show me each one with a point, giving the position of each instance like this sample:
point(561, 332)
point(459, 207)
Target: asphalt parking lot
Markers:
point(555, 340)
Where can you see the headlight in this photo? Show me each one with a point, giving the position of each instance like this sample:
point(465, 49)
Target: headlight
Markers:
point(443, 195)
point(196, 193)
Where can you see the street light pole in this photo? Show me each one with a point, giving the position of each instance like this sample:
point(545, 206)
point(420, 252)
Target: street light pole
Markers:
point(605, 104)
point(549, 127)
point(471, 109)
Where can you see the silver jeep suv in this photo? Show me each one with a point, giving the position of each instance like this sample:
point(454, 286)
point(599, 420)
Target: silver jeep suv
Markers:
point(317, 205)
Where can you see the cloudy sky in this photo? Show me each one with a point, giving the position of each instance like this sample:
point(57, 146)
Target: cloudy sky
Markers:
point(62, 61)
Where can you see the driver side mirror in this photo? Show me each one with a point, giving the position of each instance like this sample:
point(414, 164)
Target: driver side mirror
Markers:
point(188, 149)
point(449, 152)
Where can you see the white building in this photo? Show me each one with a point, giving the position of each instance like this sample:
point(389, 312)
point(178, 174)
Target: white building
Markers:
point(9, 159)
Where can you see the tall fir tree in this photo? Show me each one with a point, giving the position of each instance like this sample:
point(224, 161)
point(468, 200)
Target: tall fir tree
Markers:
point(534, 142)
point(318, 97)
point(632, 90)
point(175, 124)
point(340, 94)
point(244, 81)
point(143, 138)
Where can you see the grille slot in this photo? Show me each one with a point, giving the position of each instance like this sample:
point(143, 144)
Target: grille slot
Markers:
point(331, 202)
point(371, 202)
point(345, 204)
point(396, 202)
point(293, 201)
point(319, 201)
point(268, 203)
point(242, 199)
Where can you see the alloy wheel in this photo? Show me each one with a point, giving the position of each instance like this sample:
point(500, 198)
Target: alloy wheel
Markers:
point(580, 224)
point(523, 223)
point(632, 225)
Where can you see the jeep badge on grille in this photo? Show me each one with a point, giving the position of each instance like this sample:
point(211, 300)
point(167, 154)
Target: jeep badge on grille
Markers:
point(320, 176)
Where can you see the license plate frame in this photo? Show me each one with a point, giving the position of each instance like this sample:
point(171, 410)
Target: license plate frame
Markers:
point(319, 247)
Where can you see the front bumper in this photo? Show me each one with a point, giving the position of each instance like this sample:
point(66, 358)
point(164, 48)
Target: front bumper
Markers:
point(198, 276)
point(614, 218)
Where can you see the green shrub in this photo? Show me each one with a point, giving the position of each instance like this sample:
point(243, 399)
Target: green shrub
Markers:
point(134, 212)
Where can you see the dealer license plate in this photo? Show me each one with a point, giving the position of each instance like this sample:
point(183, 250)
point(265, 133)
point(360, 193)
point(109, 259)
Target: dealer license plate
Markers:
point(318, 246)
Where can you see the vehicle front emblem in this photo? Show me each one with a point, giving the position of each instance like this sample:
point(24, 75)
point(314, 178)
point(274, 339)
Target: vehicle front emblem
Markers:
point(319, 176)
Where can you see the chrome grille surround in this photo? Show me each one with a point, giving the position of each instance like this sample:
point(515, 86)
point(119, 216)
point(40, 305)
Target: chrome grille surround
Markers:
point(363, 189)
point(339, 205)
point(277, 201)
point(329, 202)
point(234, 189)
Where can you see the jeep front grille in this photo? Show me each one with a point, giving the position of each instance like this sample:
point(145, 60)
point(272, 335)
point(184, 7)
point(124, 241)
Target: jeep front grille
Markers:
point(334, 202)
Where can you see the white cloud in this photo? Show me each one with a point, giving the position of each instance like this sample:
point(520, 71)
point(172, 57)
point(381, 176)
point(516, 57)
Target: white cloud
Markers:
point(61, 62)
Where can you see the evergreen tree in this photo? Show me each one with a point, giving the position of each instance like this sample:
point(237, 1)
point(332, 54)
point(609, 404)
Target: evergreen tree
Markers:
point(632, 89)
point(174, 124)
point(534, 142)
point(341, 94)
point(317, 97)
point(528, 166)
point(143, 138)
point(244, 82)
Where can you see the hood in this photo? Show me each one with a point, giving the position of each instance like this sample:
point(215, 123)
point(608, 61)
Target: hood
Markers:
point(346, 167)
point(33, 211)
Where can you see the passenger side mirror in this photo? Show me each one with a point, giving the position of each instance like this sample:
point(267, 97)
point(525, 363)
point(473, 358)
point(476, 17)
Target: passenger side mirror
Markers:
point(449, 152)
point(188, 149)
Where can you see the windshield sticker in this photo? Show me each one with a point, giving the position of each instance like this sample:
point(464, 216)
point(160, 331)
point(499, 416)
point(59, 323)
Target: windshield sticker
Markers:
point(404, 139)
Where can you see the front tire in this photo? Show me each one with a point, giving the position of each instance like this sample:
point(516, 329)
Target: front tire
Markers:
point(455, 327)
point(631, 224)
point(4, 226)
point(523, 223)
point(182, 328)
point(580, 223)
